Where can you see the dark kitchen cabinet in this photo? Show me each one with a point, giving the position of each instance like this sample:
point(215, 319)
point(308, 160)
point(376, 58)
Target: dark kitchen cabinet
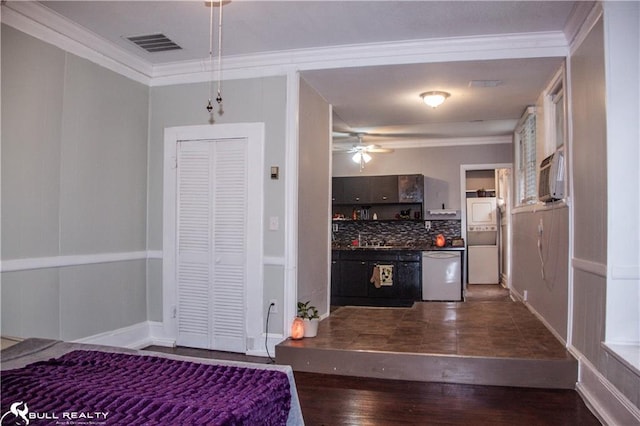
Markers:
point(410, 274)
point(355, 190)
point(378, 190)
point(337, 190)
point(411, 188)
point(353, 278)
point(383, 189)
point(352, 271)
point(335, 271)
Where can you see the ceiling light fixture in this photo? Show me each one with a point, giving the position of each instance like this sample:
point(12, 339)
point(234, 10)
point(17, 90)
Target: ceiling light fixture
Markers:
point(362, 158)
point(434, 98)
point(211, 5)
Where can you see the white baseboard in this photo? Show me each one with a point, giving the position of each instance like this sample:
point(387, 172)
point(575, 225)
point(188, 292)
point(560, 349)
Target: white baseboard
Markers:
point(157, 335)
point(602, 397)
point(519, 298)
point(260, 350)
point(135, 336)
point(148, 333)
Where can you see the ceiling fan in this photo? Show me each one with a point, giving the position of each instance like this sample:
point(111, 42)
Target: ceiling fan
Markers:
point(361, 151)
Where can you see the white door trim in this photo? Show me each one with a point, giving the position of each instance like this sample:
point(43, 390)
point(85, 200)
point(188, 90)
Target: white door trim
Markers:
point(463, 200)
point(254, 133)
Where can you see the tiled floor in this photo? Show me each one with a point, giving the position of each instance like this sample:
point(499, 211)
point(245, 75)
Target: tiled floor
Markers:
point(473, 328)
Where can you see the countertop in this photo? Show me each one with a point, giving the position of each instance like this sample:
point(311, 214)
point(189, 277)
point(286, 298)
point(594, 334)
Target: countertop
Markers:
point(425, 247)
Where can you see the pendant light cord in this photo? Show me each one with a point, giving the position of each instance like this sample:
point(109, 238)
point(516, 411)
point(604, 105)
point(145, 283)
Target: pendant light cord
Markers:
point(219, 98)
point(209, 106)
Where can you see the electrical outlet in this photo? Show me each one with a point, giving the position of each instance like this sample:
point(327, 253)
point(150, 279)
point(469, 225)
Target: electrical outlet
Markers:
point(334, 227)
point(427, 225)
point(540, 227)
point(274, 308)
point(525, 296)
point(274, 223)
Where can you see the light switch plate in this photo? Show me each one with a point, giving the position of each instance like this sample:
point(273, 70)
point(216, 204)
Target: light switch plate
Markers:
point(274, 224)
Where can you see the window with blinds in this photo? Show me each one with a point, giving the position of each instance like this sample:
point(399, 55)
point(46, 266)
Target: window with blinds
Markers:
point(526, 179)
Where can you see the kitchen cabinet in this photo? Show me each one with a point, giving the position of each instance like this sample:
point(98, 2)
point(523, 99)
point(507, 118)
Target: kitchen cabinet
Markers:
point(383, 189)
point(411, 188)
point(353, 278)
point(335, 271)
point(387, 196)
point(409, 273)
point(355, 190)
point(353, 270)
point(373, 190)
point(337, 190)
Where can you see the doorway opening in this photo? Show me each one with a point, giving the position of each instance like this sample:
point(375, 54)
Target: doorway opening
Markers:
point(486, 223)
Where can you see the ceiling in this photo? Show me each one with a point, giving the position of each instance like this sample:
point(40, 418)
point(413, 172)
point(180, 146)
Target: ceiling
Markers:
point(378, 99)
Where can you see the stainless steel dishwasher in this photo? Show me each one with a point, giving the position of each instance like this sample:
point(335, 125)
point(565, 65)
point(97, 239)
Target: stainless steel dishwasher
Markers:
point(441, 276)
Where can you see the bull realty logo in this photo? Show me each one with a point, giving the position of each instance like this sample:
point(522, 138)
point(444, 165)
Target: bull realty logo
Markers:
point(19, 414)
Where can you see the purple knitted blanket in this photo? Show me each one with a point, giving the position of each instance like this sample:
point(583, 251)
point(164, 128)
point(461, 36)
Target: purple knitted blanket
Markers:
point(90, 387)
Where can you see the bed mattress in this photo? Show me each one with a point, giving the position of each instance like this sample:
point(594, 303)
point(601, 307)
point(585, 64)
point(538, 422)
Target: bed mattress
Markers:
point(53, 382)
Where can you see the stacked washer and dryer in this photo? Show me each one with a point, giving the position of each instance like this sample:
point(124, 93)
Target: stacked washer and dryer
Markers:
point(482, 241)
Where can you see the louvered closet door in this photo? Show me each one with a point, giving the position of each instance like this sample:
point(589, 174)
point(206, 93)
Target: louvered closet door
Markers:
point(211, 243)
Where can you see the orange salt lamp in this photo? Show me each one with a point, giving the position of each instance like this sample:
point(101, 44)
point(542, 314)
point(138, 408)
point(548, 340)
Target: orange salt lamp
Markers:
point(297, 328)
point(440, 240)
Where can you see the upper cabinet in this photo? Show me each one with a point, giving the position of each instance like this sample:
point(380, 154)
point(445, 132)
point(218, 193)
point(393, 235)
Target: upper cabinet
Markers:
point(410, 188)
point(384, 189)
point(372, 190)
point(355, 190)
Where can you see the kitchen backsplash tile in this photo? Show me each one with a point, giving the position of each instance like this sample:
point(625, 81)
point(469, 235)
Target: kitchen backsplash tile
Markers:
point(405, 233)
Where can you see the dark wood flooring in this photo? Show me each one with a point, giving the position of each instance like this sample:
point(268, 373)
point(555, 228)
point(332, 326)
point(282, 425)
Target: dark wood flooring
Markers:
point(341, 400)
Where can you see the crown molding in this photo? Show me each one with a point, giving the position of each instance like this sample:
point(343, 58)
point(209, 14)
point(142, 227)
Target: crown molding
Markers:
point(42, 23)
point(434, 143)
point(528, 45)
point(582, 13)
point(589, 17)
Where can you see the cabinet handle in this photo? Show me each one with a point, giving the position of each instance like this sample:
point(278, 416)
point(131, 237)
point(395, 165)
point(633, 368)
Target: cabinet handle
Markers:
point(363, 263)
point(384, 198)
point(357, 198)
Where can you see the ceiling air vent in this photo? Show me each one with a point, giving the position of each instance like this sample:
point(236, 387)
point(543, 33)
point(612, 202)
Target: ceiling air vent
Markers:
point(485, 83)
point(153, 43)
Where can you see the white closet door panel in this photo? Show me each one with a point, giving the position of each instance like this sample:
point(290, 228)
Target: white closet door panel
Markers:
point(230, 234)
point(194, 245)
point(193, 305)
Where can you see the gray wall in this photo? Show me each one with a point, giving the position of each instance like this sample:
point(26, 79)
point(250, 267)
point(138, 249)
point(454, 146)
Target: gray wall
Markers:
point(439, 165)
point(547, 294)
point(589, 191)
point(314, 187)
point(73, 183)
point(590, 186)
point(253, 100)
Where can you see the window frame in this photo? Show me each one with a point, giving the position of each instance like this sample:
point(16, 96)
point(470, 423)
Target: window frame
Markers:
point(526, 167)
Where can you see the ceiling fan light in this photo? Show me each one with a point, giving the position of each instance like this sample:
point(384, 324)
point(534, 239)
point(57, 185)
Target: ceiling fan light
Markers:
point(360, 157)
point(434, 98)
